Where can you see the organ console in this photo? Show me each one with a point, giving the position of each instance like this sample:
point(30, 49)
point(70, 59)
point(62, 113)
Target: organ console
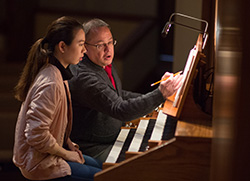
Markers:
point(173, 143)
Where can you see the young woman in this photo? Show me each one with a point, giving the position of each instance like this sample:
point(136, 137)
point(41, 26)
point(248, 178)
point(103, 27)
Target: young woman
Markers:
point(43, 149)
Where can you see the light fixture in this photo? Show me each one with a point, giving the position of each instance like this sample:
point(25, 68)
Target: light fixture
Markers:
point(170, 22)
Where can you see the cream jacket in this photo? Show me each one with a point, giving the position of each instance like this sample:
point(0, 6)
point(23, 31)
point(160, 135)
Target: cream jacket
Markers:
point(41, 124)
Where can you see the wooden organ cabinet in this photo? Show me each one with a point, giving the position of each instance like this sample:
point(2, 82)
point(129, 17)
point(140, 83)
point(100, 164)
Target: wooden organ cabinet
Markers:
point(185, 156)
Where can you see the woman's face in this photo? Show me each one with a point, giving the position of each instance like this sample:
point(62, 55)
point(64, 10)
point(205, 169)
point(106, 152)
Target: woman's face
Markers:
point(74, 52)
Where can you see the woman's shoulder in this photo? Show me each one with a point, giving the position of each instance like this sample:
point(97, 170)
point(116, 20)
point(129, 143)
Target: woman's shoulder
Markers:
point(51, 72)
point(49, 75)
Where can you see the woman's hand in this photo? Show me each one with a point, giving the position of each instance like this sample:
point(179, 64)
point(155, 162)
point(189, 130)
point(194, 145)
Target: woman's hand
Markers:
point(74, 156)
point(73, 147)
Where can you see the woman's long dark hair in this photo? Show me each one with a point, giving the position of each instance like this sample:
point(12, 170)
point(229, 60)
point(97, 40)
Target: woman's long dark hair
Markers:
point(62, 29)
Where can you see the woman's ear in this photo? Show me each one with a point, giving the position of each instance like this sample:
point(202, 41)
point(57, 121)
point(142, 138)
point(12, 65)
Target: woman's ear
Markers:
point(61, 46)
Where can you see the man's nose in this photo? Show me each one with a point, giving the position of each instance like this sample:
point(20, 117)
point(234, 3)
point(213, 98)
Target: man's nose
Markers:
point(106, 47)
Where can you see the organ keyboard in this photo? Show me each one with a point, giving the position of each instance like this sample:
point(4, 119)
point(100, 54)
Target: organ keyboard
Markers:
point(148, 133)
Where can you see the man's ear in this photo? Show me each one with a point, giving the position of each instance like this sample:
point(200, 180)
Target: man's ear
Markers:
point(61, 46)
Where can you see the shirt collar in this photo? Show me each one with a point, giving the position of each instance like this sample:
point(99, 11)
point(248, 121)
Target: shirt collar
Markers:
point(66, 73)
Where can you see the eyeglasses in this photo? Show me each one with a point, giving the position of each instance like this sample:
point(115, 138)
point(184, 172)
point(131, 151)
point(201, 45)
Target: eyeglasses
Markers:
point(103, 45)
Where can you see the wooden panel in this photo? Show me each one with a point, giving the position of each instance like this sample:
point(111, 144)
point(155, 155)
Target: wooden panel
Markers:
point(195, 129)
point(182, 158)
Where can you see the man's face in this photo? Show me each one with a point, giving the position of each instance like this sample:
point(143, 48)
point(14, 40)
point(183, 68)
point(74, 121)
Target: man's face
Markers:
point(100, 46)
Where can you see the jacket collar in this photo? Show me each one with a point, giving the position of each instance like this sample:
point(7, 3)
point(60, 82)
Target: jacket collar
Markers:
point(98, 70)
point(66, 73)
point(93, 65)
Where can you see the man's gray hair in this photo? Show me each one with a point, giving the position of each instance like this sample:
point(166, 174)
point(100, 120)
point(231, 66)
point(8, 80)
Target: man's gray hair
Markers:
point(92, 24)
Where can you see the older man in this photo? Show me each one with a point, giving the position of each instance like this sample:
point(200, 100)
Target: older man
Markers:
point(100, 105)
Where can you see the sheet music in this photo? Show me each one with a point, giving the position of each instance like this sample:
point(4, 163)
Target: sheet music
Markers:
point(186, 74)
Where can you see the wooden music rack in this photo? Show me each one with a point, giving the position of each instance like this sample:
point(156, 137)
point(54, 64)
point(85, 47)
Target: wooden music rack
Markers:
point(174, 105)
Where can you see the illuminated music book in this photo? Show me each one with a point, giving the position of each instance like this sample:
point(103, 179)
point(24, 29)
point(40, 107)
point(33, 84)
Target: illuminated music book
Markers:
point(173, 105)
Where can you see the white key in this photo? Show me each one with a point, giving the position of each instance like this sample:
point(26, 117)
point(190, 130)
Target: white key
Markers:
point(117, 147)
point(159, 126)
point(138, 137)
